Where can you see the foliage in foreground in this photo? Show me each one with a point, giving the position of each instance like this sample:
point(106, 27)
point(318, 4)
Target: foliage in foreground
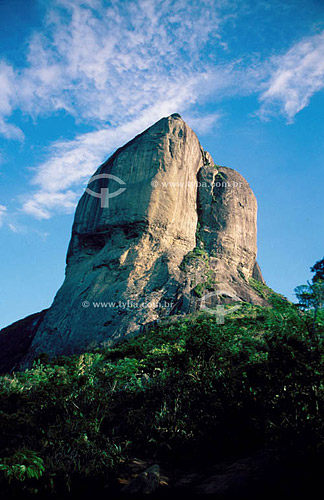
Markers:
point(184, 390)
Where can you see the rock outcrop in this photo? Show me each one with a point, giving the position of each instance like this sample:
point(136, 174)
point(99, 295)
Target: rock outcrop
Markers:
point(179, 228)
point(15, 341)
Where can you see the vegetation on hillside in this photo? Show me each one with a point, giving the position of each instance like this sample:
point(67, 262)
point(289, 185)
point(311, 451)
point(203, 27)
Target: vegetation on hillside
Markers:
point(193, 388)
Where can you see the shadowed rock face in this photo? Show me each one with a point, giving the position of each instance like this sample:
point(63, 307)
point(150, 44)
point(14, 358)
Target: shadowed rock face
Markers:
point(15, 341)
point(181, 228)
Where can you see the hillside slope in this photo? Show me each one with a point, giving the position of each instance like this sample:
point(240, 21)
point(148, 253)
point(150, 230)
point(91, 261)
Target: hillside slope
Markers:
point(202, 401)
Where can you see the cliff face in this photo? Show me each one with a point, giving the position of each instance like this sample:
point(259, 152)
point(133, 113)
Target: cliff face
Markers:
point(15, 341)
point(181, 227)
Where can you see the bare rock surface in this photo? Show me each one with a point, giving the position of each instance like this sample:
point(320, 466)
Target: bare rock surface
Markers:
point(182, 228)
point(15, 341)
point(145, 483)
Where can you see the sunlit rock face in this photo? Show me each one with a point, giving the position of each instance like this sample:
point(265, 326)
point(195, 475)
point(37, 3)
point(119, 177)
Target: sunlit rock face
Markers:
point(180, 227)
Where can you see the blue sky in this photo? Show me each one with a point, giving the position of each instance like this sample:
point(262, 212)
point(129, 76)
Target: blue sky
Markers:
point(80, 78)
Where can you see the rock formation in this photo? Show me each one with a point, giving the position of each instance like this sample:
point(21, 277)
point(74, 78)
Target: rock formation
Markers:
point(16, 339)
point(181, 227)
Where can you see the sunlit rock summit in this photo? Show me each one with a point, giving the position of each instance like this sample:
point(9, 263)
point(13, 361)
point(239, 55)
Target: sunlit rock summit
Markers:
point(160, 231)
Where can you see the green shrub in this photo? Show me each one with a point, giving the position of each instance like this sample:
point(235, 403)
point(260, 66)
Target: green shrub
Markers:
point(24, 464)
point(190, 387)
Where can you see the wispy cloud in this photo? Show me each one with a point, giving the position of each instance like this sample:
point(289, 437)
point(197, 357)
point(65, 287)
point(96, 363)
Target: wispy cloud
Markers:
point(8, 101)
point(71, 163)
point(3, 213)
point(100, 62)
point(297, 75)
point(25, 230)
point(119, 68)
point(202, 124)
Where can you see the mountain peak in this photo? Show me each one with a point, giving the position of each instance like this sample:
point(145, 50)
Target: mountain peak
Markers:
point(159, 230)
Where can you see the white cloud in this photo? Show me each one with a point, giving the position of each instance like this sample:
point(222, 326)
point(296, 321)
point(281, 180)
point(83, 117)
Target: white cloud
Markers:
point(25, 230)
point(120, 68)
point(42, 202)
point(297, 75)
point(100, 62)
point(8, 101)
point(14, 228)
point(3, 213)
point(71, 163)
point(202, 124)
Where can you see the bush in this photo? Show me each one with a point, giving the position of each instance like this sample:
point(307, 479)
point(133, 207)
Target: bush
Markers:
point(187, 388)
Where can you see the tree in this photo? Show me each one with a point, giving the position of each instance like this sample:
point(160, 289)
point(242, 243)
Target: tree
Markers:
point(311, 297)
point(305, 296)
point(318, 269)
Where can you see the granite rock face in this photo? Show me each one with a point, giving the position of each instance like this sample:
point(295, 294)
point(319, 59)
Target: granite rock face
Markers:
point(180, 228)
point(15, 341)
